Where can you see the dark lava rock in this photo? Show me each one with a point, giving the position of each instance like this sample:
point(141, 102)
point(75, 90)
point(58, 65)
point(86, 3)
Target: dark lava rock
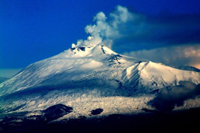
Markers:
point(96, 111)
point(82, 48)
point(56, 111)
point(81, 118)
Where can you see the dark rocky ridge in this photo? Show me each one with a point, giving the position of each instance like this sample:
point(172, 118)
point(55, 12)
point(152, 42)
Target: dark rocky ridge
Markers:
point(56, 111)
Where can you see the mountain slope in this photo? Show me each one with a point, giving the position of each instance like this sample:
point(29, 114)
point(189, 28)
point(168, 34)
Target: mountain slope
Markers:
point(81, 75)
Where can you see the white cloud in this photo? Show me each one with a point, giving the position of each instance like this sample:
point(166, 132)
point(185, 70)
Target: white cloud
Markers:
point(174, 55)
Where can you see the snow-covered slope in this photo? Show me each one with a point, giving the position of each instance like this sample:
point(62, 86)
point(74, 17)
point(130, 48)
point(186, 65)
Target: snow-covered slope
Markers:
point(83, 74)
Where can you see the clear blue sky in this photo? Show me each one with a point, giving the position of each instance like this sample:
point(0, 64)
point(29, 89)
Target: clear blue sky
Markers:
point(31, 30)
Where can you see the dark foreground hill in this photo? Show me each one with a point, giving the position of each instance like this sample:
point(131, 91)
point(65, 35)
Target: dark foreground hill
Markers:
point(149, 121)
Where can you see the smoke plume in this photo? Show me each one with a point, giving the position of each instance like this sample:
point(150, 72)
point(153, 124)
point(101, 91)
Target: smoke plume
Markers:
point(105, 28)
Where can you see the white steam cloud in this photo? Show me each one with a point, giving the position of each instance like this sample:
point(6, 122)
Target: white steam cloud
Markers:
point(105, 28)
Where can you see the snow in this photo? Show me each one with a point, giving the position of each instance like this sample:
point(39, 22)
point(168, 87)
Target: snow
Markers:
point(156, 70)
point(92, 65)
point(110, 105)
point(87, 78)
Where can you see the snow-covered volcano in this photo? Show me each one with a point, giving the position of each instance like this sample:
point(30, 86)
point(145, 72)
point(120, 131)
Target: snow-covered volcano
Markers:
point(87, 78)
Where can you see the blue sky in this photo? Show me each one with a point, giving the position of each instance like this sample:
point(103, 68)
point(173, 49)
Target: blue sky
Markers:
point(32, 30)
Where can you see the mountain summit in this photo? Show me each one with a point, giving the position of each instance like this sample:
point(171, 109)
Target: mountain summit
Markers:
point(84, 74)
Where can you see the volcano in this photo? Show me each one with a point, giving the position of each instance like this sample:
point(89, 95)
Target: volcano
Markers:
point(83, 75)
point(89, 81)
